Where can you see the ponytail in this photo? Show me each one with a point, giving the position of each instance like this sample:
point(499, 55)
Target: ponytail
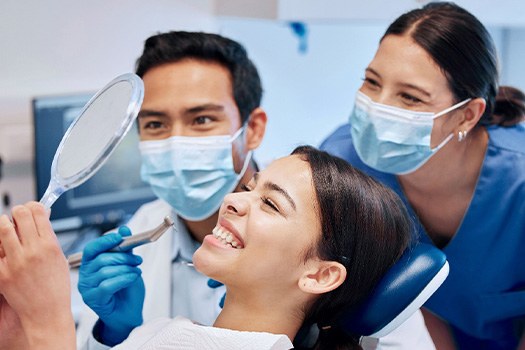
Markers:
point(509, 108)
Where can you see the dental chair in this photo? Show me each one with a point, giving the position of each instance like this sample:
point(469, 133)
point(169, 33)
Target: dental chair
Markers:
point(401, 292)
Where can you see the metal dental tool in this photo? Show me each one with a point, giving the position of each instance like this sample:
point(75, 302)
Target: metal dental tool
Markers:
point(130, 242)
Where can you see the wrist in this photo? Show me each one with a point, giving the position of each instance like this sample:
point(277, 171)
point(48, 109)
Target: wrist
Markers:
point(43, 335)
point(112, 335)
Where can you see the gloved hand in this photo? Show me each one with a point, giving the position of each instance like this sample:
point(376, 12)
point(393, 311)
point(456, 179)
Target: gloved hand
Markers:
point(111, 285)
point(215, 284)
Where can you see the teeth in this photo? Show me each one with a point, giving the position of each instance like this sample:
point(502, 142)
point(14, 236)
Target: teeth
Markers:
point(225, 237)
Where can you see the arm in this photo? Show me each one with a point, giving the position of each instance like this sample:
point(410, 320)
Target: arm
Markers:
point(34, 280)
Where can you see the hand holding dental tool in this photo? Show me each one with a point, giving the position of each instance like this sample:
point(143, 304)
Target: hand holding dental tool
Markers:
point(111, 284)
point(130, 242)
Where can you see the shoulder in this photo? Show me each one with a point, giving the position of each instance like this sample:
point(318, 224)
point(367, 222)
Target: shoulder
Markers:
point(339, 143)
point(508, 138)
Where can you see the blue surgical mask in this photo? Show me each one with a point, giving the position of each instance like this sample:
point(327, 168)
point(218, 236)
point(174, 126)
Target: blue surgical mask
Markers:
point(193, 174)
point(393, 140)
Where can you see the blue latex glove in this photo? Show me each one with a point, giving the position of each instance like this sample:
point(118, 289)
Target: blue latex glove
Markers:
point(215, 284)
point(111, 285)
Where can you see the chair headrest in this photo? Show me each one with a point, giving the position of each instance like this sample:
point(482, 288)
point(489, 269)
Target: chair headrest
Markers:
point(402, 291)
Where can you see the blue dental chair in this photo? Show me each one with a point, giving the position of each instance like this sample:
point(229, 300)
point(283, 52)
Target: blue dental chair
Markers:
point(401, 292)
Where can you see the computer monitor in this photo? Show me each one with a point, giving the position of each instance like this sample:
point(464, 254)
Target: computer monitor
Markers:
point(108, 198)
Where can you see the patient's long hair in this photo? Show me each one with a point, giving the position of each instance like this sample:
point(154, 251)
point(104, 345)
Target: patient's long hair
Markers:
point(365, 227)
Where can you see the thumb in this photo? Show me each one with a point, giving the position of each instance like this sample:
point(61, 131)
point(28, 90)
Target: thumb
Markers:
point(124, 231)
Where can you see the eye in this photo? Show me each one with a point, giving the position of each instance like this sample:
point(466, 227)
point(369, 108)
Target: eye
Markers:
point(201, 120)
point(410, 99)
point(267, 201)
point(245, 188)
point(152, 125)
point(370, 82)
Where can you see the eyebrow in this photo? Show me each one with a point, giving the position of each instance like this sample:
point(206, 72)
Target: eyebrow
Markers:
point(208, 107)
point(150, 113)
point(203, 108)
point(274, 187)
point(405, 85)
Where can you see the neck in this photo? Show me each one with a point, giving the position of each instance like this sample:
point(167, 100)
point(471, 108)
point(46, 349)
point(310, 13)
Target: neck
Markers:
point(199, 229)
point(452, 169)
point(254, 312)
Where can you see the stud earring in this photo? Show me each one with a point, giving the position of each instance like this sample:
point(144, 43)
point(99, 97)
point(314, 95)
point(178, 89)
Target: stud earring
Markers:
point(462, 135)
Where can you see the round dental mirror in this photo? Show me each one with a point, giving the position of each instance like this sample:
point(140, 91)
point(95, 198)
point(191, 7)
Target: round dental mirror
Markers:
point(94, 135)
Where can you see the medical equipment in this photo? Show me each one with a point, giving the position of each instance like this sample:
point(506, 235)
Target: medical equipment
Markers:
point(130, 242)
point(401, 292)
point(94, 134)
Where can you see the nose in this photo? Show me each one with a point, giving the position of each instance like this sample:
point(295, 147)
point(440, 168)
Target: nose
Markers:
point(237, 203)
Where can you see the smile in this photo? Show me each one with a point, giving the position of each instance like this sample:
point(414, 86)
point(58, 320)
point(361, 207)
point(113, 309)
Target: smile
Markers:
point(226, 237)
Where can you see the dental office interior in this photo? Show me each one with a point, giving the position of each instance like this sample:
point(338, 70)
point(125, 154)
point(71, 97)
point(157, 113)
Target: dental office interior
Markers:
point(310, 54)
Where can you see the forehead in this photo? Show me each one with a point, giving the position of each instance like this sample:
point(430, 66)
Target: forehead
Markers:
point(186, 84)
point(295, 176)
point(399, 59)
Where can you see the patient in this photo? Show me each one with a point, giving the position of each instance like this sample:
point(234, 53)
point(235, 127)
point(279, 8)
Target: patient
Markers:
point(309, 237)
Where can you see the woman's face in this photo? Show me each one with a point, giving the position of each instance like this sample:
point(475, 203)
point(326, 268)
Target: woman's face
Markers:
point(402, 74)
point(265, 231)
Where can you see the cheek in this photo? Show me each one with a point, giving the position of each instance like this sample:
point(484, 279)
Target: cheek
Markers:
point(441, 129)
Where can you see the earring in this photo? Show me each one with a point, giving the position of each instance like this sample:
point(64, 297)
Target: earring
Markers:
point(462, 135)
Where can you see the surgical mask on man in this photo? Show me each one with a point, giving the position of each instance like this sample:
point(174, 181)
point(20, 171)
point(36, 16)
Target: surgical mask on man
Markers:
point(393, 140)
point(193, 174)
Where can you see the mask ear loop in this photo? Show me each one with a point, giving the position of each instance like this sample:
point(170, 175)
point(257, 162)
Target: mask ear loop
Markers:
point(449, 137)
point(248, 157)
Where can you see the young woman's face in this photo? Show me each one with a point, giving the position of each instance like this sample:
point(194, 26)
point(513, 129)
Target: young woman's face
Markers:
point(402, 74)
point(265, 231)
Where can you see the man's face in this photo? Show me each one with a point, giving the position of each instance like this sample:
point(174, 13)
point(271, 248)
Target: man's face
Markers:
point(188, 98)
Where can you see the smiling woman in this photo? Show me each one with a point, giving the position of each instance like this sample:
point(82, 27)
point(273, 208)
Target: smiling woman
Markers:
point(290, 249)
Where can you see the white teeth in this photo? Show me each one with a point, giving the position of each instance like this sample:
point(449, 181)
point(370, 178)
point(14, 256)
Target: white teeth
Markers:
point(225, 237)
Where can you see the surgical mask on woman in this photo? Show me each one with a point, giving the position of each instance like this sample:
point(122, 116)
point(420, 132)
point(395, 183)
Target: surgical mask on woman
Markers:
point(393, 140)
point(193, 174)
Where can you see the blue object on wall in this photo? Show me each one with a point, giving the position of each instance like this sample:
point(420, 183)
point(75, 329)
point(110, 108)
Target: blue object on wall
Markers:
point(300, 29)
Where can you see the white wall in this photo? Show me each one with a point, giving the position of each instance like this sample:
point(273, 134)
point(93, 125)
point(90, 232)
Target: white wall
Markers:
point(67, 46)
point(305, 95)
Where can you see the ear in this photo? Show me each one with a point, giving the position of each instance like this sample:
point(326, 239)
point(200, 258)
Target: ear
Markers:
point(472, 114)
point(323, 277)
point(256, 128)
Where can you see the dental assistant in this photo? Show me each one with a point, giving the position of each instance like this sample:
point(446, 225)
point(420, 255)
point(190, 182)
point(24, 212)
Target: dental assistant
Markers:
point(431, 122)
point(198, 125)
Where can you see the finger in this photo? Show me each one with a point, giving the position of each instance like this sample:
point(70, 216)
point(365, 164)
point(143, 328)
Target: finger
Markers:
point(25, 225)
point(106, 273)
point(100, 245)
point(8, 238)
point(41, 219)
point(108, 288)
point(213, 283)
point(124, 231)
point(221, 302)
point(2, 253)
point(109, 259)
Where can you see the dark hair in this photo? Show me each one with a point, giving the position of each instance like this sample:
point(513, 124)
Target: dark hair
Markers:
point(176, 46)
point(365, 227)
point(461, 46)
point(510, 106)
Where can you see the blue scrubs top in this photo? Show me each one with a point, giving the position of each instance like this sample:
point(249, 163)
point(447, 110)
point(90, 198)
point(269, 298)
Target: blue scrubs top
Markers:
point(483, 297)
